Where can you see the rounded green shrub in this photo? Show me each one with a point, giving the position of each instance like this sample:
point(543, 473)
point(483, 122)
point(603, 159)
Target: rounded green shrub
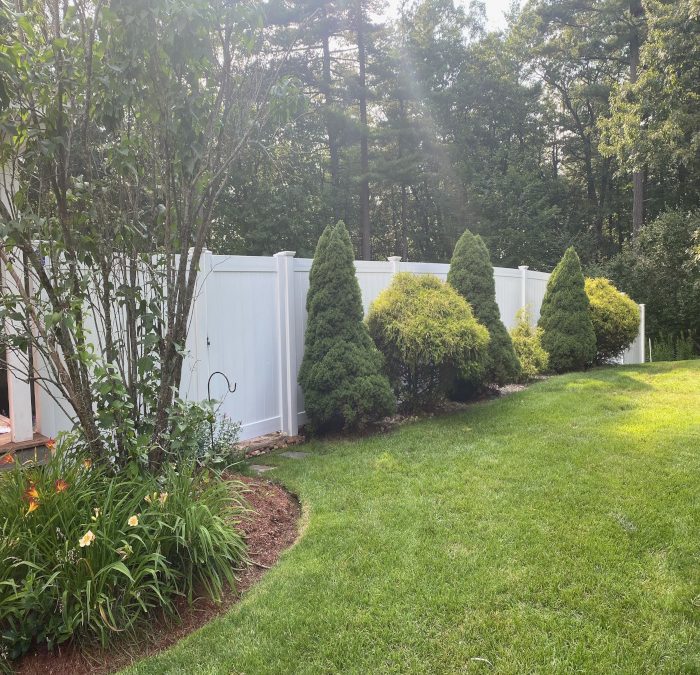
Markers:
point(341, 374)
point(527, 342)
point(565, 318)
point(471, 275)
point(615, 318)
point(428, 335)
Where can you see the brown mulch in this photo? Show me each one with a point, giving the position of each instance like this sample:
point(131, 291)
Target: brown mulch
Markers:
point(271, 528)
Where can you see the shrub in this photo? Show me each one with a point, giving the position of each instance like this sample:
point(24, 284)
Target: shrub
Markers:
point(341, 374)
point(86, 555)
point(471, 275)
point(565, 319)
point(428, 335)
point(615, 319)
point(527, 342)
point(661, 268)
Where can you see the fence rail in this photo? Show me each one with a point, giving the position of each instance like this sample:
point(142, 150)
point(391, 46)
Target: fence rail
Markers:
point(248, 321)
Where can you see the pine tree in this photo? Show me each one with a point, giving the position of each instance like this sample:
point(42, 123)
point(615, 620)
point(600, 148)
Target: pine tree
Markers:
point(565, 319)
point(341, 374)
point(471, 275)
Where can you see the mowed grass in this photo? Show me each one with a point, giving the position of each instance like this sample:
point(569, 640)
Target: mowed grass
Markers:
point(553, 531)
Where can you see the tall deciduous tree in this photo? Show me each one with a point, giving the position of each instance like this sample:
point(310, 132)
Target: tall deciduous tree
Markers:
point(124, 119)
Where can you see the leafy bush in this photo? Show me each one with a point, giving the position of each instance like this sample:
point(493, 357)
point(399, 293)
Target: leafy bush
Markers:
point(192, 424)
point(428, 335)
point(661, 268)
point(565, 319)
point(527, 342)
point(471, 275)
point(86, 555)
point(341, 374)
point(615, 318)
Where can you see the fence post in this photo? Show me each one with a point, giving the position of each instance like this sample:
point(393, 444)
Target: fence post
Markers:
point(523, 285)
point(394, 260)
point(200, 317)
point(286, 329)
point(19, 389)
point(642, 332)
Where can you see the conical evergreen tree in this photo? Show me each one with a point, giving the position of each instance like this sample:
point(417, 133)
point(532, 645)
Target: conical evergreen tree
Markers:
point(471, 275)
point(565, 319)
point(341, 374)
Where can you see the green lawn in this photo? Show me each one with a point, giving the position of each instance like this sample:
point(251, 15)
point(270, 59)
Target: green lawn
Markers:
point(556, 530)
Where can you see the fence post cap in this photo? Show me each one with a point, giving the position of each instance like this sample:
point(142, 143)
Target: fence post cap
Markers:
point(523, 267)
point(394, 258)
point(285, 254)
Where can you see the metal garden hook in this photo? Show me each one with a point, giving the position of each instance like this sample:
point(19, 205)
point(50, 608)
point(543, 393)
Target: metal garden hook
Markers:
point(230, 391)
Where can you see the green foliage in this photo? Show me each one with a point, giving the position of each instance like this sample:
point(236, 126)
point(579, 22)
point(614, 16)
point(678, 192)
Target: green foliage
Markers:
point(90, 556)
point(568, 335)
point(471, 275)
point(428, 335)
point(341, 373)
point(191, 439)
point(673, 348)
point(662, 270)
point(527, 342)
point(615, 318)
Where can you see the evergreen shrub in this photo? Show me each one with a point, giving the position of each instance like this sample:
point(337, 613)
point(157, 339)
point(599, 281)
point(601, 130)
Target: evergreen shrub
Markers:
point(471, 275)
point(428, 335)
point(565, 317)
point(341, 374)
point(615, 319)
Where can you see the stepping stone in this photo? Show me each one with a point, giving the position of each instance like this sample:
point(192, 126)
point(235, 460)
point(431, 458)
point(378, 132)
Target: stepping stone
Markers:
point(294, 454)
point(261, 468)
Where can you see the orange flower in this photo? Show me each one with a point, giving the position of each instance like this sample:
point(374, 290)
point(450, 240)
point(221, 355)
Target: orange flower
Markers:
point(51, 444)
point(61, 485)
point(33, 506)
point(31, 493)
point(7, 458)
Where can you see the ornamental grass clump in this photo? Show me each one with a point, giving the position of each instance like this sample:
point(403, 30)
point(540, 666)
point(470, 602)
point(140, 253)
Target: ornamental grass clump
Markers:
point(471, 275)
point(615, 319)
point(341, 374)
point(527, 342)
point(428, 335)
point(89, 556)
point(567, 329)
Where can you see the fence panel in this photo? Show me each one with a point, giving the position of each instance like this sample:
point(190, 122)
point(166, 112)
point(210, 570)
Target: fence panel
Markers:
point(240, 340)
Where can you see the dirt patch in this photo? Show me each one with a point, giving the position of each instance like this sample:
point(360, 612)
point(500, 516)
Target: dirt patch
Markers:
point(271, 528)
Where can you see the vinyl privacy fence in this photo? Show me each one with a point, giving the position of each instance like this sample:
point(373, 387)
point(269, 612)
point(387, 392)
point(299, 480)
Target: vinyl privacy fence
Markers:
point(248, 322)
point(250, 318)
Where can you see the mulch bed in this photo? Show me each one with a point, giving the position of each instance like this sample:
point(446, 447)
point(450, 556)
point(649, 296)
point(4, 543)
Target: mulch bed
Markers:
point(270, 529)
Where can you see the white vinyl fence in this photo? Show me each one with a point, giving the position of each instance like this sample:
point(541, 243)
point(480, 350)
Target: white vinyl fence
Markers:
point(250, 318)
point(248, 322)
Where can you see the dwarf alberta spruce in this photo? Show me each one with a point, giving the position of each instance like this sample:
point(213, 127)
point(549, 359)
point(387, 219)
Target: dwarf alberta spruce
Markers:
point(88, 555)
point(471, 275)
point(341, 374)
point(567, 330)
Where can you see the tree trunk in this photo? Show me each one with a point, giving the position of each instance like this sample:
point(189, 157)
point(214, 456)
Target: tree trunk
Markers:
point(636, 10)
point(331, 126)
point(364, 150)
